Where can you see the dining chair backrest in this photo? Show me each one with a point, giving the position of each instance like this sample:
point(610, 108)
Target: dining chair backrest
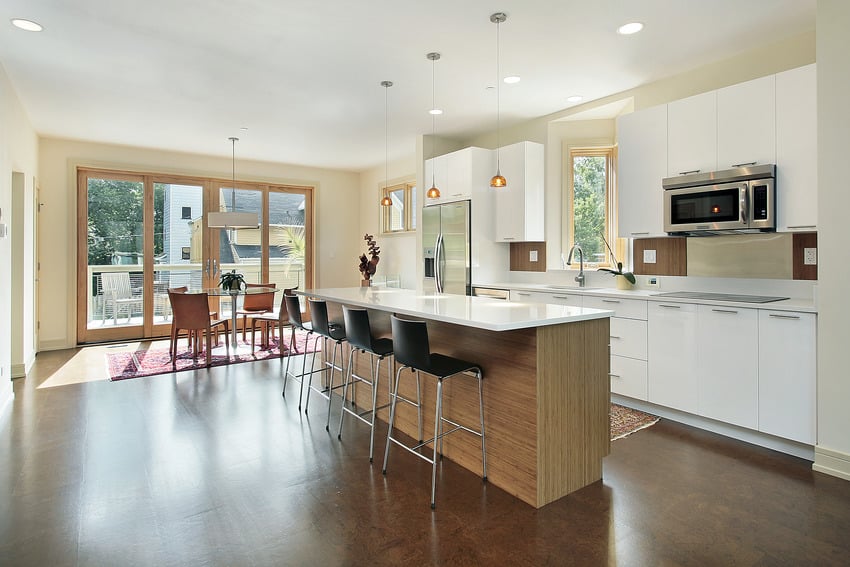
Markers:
point(410, 343)
point(283, 311)
point(319, 316)
point(116, 284)
point(191, 310)
point(181, 289)
point(357, 328)
point(293, 310)
point(259, 301)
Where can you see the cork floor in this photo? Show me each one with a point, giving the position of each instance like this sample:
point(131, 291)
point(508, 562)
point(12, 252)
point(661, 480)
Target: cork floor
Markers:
point(215, 468)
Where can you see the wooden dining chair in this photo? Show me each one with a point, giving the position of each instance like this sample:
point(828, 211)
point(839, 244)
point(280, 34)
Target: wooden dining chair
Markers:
point(255, 304)
point(268, 321)
point(192, 314)
point(172, 345)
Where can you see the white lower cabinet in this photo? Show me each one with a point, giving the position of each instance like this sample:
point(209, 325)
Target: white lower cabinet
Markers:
point(572, 299)
point(787, 370)
point(672, 355)
point(628, 377)
point(627, 343)
point(727, 359)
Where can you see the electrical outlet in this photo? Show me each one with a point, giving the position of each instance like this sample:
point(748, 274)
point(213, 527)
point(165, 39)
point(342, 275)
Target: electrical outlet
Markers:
point(532, 256)
point(652, 281)
point(810, 256)
point(649, 256)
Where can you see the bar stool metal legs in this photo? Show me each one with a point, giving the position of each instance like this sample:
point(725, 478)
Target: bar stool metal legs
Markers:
point(412, 351)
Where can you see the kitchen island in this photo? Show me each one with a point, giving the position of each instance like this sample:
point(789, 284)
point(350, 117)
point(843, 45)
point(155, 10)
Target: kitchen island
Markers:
point(546, 384)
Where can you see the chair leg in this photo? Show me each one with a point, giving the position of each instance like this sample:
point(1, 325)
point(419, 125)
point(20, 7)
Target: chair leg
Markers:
point(392, 420)
point(345, 382)
point(375, 379)
point(481, 415)
point(438, 418)
point(337, 345)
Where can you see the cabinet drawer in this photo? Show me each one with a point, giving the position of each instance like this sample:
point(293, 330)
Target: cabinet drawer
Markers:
point(629, 308)
point(628, 338)
point(628, 377)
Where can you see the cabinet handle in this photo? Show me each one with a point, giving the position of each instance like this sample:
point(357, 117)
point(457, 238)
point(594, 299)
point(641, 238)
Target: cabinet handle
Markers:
point(775, 316)
point(803, 227)
point(641, 233)
point(610, 301)
point(613, 375)
point(561, 297)
point(729, 311)
point(507, 238)
point(522, 293)
point(743, 164)
point(670, 306)
point(689, 171)
point(615, 337)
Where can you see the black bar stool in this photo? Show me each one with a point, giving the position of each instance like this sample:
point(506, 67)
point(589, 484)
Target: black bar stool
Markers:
point(412, 350)
point(325, 330)
point(293, 310)
point(360, 339)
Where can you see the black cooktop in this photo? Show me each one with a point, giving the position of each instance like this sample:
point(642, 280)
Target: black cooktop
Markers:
point(720, 296)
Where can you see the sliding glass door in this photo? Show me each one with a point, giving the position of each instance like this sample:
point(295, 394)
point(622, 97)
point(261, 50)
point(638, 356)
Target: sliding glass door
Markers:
point(139, 235)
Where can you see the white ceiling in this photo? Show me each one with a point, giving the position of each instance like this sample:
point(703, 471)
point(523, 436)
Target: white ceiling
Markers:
point(304, 77)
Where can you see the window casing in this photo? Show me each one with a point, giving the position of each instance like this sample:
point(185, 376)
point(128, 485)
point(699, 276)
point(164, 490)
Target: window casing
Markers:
point(592, 203)
point(400, 216)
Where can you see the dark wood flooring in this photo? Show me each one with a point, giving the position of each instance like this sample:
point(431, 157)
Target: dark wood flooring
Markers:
point(215, 468)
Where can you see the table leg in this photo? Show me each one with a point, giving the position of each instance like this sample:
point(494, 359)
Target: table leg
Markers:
point(234, 337)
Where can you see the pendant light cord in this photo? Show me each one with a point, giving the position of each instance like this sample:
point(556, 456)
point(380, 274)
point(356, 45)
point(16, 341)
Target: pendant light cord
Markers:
point(433, 114)
point(233, 141)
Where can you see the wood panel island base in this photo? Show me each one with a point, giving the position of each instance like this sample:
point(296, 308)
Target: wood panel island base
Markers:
point(546, 385)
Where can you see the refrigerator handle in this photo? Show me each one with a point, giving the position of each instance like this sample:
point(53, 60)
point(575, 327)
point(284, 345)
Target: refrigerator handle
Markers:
point(438, 272)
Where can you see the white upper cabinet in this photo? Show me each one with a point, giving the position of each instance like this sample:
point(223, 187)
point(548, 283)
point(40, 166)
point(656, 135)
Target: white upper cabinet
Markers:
point(519, 205)
point(642, 164)
point(692, 134)
point(458, 174)
point(746, 123)
point(797, 149)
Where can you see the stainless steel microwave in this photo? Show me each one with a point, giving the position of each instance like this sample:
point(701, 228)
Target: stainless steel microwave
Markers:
point(742, 199)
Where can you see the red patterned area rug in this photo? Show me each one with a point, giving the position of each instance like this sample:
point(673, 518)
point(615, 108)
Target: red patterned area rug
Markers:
point(625, 421)
point(155, 360)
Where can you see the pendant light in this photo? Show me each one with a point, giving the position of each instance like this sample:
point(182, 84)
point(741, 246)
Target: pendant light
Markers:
point(232, 219)
point(498, 180)
point(433, 192)
point(386, 201)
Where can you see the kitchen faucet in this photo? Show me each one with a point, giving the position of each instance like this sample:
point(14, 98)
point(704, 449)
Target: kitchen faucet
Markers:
point(580, 277)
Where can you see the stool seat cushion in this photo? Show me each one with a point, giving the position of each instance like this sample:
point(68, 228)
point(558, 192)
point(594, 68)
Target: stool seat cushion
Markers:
point(442, 366)
point(336, 332)
point(382, 347)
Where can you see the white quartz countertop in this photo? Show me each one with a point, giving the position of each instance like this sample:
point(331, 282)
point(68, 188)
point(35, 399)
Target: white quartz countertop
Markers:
point(804, 305)
point(478, 312)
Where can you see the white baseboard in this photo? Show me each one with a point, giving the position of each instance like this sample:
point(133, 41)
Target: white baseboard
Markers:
point(832, 463)
point(59, 344)
point(7, 394)
point(21, 370)
point(787, 446)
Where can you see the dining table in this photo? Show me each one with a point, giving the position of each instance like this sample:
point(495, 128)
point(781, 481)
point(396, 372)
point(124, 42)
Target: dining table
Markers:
point(234, 296)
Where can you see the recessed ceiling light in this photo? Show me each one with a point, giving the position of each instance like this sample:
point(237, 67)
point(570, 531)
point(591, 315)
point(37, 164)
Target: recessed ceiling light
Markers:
point(435, 111)
point(27, 25)
point(511, 79)
point(630, 28)
point(575, 98)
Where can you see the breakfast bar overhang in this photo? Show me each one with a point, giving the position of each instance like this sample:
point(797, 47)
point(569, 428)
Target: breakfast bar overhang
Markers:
point(546, 383)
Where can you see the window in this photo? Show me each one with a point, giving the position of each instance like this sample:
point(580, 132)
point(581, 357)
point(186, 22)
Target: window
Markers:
point(591, 203)
point(400, 216)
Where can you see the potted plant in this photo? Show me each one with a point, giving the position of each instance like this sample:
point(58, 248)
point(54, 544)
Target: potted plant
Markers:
point(232, 281)
point(368, 266)
point(625, 280)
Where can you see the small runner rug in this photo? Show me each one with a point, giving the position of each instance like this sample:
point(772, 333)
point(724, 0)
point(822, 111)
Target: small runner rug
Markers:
point(155, 360)
point(625, 421)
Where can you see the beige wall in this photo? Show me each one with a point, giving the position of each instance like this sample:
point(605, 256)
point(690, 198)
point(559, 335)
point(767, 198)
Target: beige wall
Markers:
point(337, 197)
point(833, 45)
point(398, 251)
point(18, 159)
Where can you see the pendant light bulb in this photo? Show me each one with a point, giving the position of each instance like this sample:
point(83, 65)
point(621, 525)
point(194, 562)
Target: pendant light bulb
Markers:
point(385, 200)
point(433, 192)
point(498, 180)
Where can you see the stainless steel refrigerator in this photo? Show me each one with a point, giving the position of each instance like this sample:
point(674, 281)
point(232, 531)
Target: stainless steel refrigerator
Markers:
point(447, 244)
